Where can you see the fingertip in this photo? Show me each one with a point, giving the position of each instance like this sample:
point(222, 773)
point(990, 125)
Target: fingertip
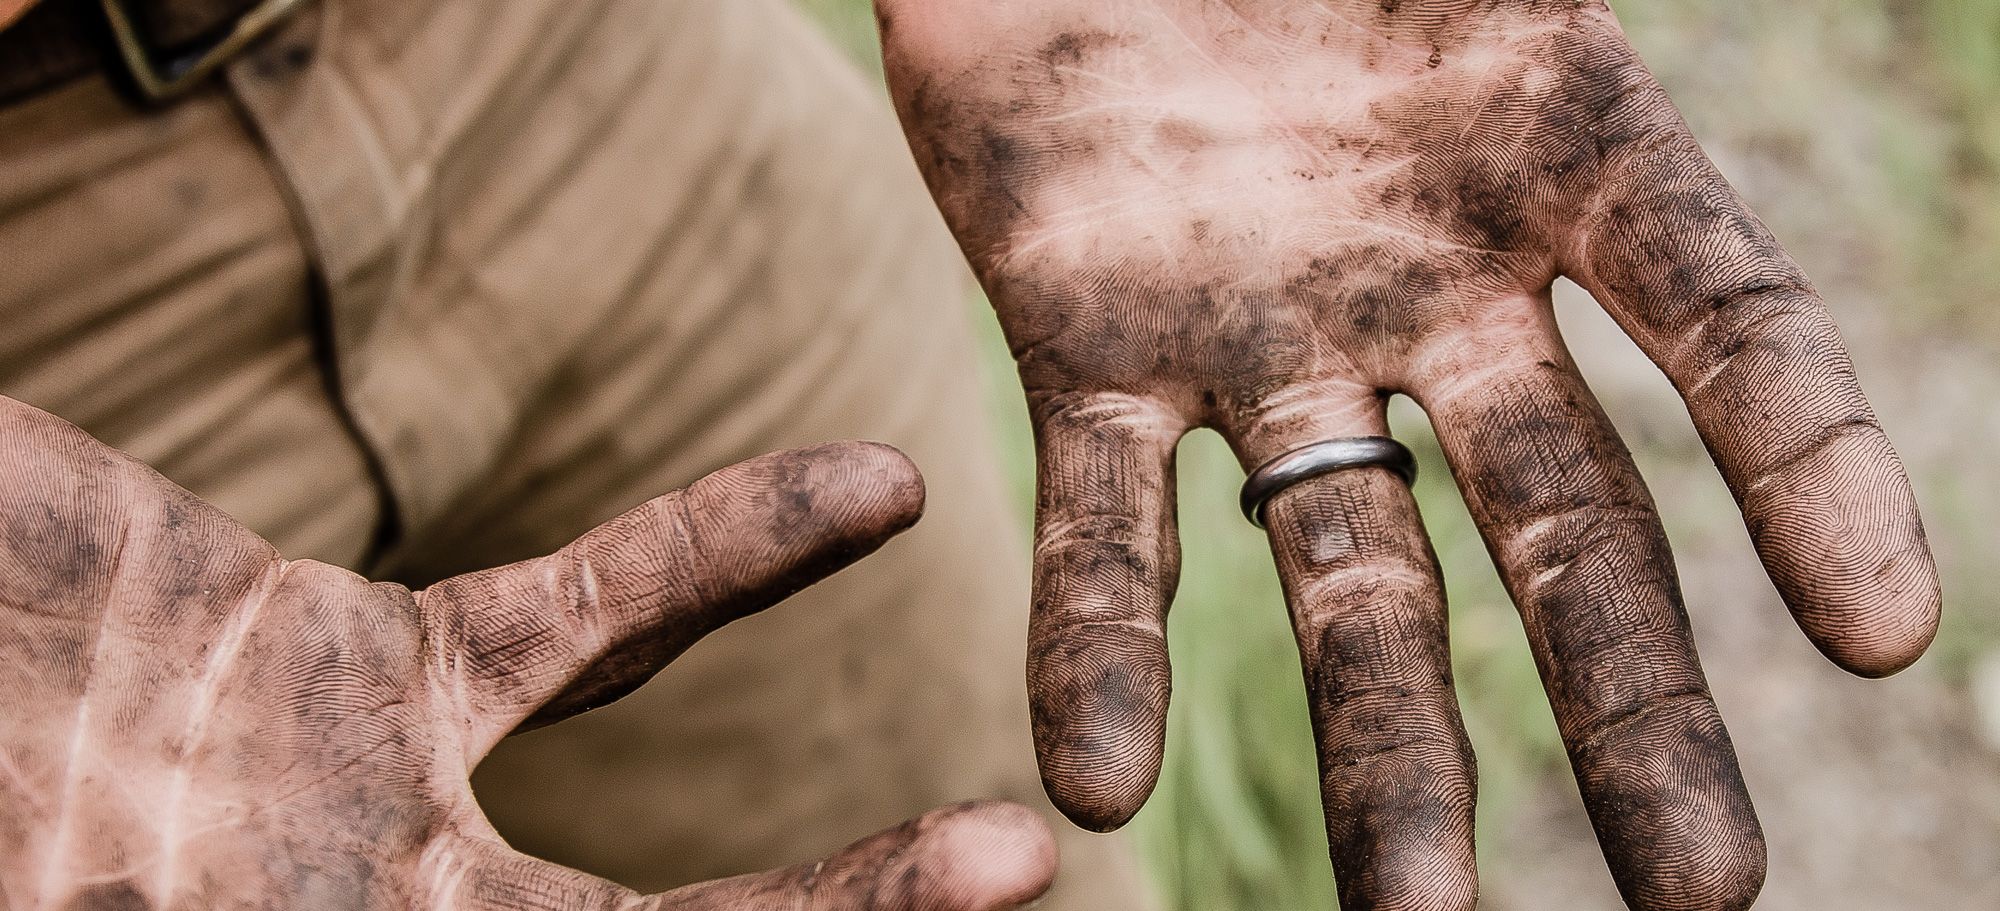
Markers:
point(1671, 810)
point(976, 856)
point(1099, 721)
point(1871, 624)
point(989, 855)
point(900, 483)
point(1722, 866)
point(1095, 812)
point(1839, 530)
point(837, 500)
point(885, 484)
point(1892, 639)
point(1098, 790)
point(1726, 875)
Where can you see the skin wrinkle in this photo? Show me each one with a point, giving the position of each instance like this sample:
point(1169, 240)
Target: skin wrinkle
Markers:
point(67, 800)
point(1265, 217)
point(229, 729)
point(201, 708)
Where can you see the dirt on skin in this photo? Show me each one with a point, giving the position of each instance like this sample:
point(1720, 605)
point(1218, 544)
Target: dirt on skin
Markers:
point(1873, 795)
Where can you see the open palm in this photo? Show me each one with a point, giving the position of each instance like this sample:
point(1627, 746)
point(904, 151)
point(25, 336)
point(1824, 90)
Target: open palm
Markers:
point(1268, 216)
point(193, 722)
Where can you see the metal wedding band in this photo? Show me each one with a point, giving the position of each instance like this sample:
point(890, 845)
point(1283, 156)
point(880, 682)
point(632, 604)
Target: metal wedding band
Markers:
point(1327, 457)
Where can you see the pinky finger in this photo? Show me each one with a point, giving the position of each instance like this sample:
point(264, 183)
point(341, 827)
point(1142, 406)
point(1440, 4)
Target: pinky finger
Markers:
point(1679, 260)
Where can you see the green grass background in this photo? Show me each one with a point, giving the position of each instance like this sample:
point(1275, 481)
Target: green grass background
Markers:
point(1235, 823)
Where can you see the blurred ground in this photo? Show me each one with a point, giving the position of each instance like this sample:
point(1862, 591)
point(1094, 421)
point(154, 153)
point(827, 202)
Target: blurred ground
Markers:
point(1867, 133)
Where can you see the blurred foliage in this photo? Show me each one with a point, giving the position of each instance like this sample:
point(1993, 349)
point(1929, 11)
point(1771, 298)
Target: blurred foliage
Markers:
point(1963, 40)
point(1235, 822)
point(851, 24)
point(1918, 84)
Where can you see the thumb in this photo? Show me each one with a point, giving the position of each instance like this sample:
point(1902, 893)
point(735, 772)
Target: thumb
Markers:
point(983, 856)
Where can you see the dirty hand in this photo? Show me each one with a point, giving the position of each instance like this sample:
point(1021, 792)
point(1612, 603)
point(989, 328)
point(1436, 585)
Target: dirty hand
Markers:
point(191, 721)
point(1267, 216)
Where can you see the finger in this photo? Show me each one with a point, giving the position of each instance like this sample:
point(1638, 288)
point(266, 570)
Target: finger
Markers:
point(569, 632)
point(1396, 769)
point(971, 857)
point(1581, 549)
point(1675, 255)
point(1106, 562)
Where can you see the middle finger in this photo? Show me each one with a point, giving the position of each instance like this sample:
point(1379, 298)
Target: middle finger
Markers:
point(1581, 549)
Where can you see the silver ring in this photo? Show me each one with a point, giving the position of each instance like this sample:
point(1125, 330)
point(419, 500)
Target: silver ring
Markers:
point(1325, 457)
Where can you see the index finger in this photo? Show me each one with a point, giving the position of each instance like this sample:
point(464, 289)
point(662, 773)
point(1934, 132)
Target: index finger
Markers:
point(1107, 556)
point(544, 639)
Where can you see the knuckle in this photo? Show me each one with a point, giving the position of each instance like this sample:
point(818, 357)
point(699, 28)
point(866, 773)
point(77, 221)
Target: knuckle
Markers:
point(1400, 582)
point(1583, 540)
point(1777, 314)
point(1088, 412)
point(1091, 529)
point(1808, 447)
point(1364, 753)
point(1101, 563)
point(1622, 724)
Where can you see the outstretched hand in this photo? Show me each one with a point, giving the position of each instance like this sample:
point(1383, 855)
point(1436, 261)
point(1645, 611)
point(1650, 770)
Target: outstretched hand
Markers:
point(1266, 217)
point(191, 721)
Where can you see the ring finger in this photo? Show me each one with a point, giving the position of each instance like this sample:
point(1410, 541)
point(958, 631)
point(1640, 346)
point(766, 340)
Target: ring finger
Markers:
point(1367, 607)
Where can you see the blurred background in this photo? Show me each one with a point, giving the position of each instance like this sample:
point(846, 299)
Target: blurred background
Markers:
point(1867, 134)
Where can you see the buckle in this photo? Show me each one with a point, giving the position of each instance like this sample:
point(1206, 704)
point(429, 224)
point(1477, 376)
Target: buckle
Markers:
point(165, 80)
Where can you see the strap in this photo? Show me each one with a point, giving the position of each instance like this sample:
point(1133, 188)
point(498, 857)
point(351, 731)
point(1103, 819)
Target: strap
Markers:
point(56, 41)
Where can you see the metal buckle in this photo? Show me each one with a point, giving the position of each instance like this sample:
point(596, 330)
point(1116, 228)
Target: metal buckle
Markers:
point(164, 82)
